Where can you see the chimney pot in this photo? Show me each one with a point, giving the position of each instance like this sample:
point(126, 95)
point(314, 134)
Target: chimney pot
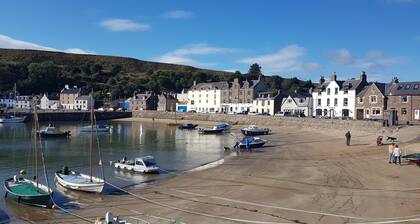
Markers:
point(334, 76)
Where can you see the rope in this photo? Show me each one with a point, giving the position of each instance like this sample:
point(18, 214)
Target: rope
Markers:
point(193, 212)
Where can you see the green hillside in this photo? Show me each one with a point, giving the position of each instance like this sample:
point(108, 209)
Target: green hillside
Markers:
point(47, 72)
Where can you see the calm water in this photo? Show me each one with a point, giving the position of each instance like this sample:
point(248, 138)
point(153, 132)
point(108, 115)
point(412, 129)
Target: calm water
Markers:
point(174, 150)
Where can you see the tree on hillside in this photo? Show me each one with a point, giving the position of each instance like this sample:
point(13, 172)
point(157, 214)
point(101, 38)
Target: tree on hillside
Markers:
point(254, 70)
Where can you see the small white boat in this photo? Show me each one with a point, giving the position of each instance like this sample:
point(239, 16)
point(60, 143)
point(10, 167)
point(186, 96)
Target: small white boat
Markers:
point(96, 128)
point(109, 219)
point(12, 119)
point(253, 130)
point(251, 142)
point(145, 164)
point(211, 130)
point(53, 132)
point(79, 181)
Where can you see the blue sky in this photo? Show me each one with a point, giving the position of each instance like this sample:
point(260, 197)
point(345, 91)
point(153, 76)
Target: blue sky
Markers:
point(288, 38)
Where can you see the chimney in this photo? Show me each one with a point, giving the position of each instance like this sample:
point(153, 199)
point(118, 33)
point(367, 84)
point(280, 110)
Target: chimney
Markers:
point(321, 80)
point(334, 76)
point(66, 86)
point(194, 83)
point(311, 90)
point(395, 80)
point(363, 76)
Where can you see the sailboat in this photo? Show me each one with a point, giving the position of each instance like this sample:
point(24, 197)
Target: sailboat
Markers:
point(74, 180)
point(27, 191)
point(13, 118)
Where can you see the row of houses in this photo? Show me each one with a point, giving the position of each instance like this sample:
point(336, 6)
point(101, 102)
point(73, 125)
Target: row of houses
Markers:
point(69, 98)
point(354, 98)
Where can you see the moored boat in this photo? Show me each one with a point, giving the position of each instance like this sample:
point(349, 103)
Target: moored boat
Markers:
point(253, 130)
point(187, 126)
point(211, 130)
point(26, 191)
point(252, 142)
point(12, 119)
point(224, 126)
point(145, 164)
point(79, 181)
point(53, 132)
point(96, 128)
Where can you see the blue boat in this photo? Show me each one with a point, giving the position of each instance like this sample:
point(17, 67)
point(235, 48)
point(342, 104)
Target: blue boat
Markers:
point(224, 126)
point(187, 126)
point(252, 142)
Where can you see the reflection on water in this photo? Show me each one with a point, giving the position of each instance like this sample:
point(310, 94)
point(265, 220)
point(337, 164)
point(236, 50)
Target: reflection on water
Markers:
point(173, 149)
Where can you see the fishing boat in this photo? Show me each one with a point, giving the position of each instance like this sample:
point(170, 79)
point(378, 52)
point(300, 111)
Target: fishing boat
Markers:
point(53, 132)
point(26, 191)
point(96, 128)
point(188, 126)
point(74, 180)
point(145, 164)
point(211, 130)
point(12, 119)
point(252, 142)
point(253, 130)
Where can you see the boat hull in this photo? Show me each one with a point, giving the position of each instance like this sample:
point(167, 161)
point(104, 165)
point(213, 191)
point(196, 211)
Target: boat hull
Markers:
point(39, 200)
point(93, 187)
point(254, 133)
point(252, 145)
point(54, 135)
point(13, 120)
point(187, 127)
point(211, 131)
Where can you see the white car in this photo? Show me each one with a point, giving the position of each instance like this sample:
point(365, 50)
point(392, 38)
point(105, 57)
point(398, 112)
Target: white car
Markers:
point(144, 164)
point(101, 109)
point(252, 113)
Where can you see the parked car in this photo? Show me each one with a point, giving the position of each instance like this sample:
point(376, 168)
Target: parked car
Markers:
point(243, 112)
point(252, 113)
point(264, 114)
point(101, 109)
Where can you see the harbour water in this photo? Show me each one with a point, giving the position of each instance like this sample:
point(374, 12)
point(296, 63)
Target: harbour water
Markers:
point(174, 150)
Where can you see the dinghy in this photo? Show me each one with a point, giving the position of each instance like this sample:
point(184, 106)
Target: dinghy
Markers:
point(52, 132)
point(96, 128)
point(253, 130)
point(187, 126)
point(252, 142)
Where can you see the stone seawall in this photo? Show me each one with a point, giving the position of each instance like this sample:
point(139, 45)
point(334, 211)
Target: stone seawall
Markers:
point(75, 116)
point(294, 122)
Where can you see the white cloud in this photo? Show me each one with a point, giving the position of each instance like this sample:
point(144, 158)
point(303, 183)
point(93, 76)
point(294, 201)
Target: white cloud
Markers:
point(184, 55)
point(119, 25)
point(178, 14)
point(287, 59)
point(10, 43)
point(372, 60)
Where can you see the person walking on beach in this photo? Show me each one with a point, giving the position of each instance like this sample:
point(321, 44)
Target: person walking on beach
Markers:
point(391, 153)
point(397, 155)
point(348, 137)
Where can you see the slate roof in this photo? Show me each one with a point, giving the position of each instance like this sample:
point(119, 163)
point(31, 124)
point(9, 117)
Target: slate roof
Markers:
point(404, 88)
point(71, 91)
point(211, 85)
point(349, 84)
point(84, 97)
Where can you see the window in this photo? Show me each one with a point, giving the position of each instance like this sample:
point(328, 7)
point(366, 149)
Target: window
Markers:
point(416, 86)
point(345, 102)
point(319, 102)
point(360, 99)
point(367, 112)
point(328, 102)
point(376, 111)
point(404, 99)
point(301, 100)
point(262, 103)
point(335, 102)
point(346, 91)
point(403, 111)
point(407, 86)
point(289, 100)
point(268, 103)
point(336, 91)
point(328, 91)
point(373, 99)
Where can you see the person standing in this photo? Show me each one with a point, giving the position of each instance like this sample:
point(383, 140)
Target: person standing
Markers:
point(348, 137)
point(391, 153)
point(397, 155)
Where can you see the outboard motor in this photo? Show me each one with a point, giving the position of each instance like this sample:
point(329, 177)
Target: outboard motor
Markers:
point(109, 218)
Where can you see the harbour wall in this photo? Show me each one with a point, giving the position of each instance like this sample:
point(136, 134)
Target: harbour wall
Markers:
point(293, 122)
point(74, 116)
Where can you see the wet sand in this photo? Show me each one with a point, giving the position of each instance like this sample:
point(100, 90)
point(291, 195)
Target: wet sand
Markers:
point(301, 176)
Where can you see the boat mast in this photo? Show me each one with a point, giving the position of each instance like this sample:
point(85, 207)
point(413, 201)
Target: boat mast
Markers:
point(36, 126)
point(91, 137)
point(15, 99)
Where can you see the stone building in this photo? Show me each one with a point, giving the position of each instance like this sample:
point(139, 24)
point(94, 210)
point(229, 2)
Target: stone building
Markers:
point(403, 102)
point(166, 102)
point(371, 102)
point(68, 97)
point(144, 101)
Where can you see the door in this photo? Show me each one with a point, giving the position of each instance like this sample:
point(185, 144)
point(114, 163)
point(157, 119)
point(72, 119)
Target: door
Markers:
point(416, 114)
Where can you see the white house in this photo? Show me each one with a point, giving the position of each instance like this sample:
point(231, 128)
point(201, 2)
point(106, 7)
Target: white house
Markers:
point(84, 102)
point(51, 102)
point(206, 97)
point(23, 102)
point(7, 102)
point(337, 98)
point(297, 103)
point(233, 108)
point(267, 102)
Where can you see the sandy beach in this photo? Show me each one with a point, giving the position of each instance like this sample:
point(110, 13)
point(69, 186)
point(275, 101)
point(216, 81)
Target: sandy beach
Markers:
point(301, 176)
